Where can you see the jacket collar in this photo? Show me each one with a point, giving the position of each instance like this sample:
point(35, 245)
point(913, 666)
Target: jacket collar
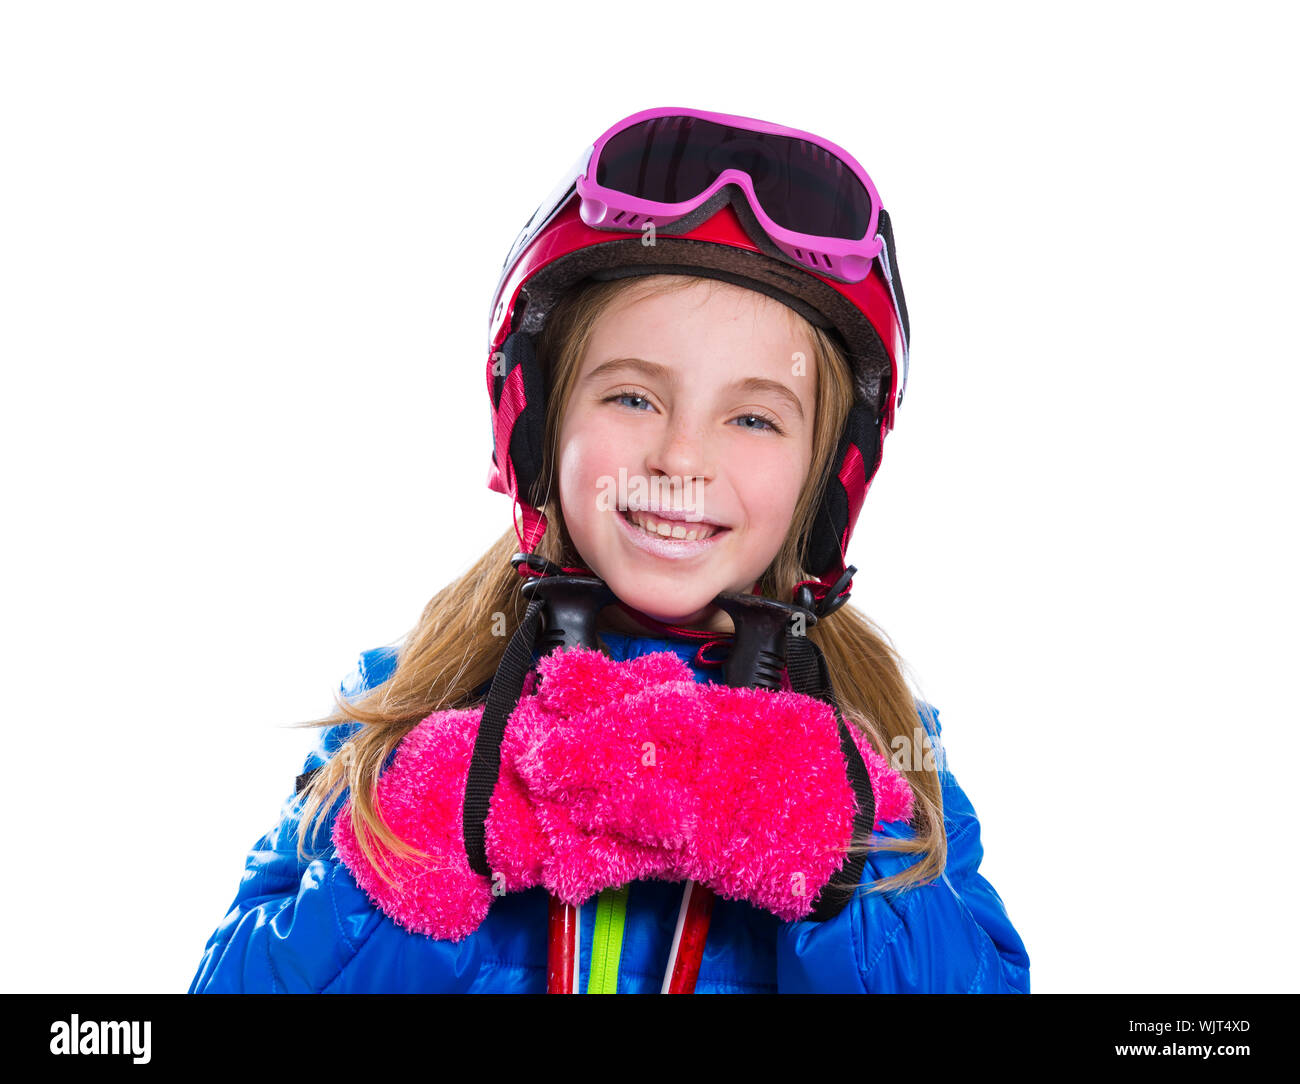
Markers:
point(624, 646)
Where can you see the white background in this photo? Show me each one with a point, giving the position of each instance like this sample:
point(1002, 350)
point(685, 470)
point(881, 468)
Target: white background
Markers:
point(246, 257)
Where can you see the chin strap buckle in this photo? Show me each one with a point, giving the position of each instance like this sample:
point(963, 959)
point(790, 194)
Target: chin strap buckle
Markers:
point(835, 597)
point(537, 564)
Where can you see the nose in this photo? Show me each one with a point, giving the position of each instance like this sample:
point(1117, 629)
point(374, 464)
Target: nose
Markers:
point(683, 449)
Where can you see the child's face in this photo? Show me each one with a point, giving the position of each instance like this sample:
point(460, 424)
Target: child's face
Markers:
point(688, 436)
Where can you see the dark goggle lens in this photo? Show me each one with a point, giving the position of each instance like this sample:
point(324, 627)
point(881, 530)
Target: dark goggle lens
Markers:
point(801, 186)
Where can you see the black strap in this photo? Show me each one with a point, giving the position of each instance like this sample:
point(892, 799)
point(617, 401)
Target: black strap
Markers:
point(810, 675)
point(485, 763)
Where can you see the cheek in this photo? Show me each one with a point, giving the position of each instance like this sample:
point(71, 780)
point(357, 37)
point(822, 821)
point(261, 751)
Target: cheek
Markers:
point(588, 456)
point(769, 484)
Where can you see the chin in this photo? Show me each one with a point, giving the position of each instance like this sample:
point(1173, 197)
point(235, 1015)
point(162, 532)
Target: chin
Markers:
point(651, 602)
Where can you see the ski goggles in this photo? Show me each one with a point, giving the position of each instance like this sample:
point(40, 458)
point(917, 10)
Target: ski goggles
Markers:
point(810, 197)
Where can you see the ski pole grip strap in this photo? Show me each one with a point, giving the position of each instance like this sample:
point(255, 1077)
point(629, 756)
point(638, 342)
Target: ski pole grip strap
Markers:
point(810, 675)
point(485, 762)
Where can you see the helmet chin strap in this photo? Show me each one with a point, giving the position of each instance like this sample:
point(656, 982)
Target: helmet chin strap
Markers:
point(704, 636)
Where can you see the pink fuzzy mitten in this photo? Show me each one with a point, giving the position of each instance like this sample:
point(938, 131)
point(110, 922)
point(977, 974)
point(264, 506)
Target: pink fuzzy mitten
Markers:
point(619, 771)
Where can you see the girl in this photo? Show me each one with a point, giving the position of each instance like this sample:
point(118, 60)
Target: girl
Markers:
point(697, 346)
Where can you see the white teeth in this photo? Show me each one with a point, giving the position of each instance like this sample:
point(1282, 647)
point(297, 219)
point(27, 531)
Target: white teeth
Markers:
point(671, 530)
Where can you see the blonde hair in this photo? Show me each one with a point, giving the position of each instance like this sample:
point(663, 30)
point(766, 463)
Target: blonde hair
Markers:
point(457, 645)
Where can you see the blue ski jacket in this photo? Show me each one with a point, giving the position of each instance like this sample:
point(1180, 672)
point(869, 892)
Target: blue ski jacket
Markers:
point(306, 927)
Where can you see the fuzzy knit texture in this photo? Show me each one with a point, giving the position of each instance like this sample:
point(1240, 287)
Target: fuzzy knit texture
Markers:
point(615, 771)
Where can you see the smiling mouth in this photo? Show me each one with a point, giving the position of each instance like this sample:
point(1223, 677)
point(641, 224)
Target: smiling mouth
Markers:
point(671, 531)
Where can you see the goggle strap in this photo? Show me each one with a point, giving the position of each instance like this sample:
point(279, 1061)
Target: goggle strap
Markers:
point(895, 294)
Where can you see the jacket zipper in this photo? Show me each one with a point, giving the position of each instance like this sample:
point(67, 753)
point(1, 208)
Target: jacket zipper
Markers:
point(607, 940)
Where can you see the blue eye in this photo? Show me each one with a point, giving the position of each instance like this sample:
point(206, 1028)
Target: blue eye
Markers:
point(627, 395)
point(769, 424)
